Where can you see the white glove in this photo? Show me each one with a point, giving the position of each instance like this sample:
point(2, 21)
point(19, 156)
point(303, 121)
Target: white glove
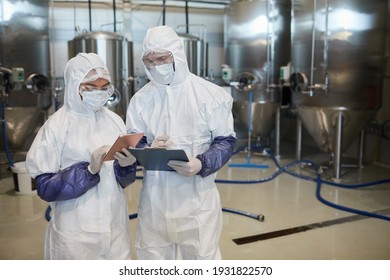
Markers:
point(184, 168)
point(125, 158)
point(162, 141)
point(97, 159)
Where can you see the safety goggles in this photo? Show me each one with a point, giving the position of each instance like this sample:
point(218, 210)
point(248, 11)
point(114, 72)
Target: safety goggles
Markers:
point(154, 58)
point(85, 87)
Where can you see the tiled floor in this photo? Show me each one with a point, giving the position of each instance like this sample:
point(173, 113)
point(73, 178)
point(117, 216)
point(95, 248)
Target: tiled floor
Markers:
point(297, 226)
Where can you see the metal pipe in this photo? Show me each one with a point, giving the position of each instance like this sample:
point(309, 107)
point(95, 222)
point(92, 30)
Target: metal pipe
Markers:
point(268, 47)
point(338, 145)
point(187, 21)
point(299, 140)
point(163, 13)
point(74, 17)
point(250, 121)
point(313, 39)
point(114, 9)
point(361, 148)
point(90, 15)
point(326, 48)
point(277, 136)
point(326, 43)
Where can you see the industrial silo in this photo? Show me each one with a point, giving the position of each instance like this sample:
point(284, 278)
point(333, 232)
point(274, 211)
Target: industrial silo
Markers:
point(337, 65)
point(117, 52)
point(257, 41)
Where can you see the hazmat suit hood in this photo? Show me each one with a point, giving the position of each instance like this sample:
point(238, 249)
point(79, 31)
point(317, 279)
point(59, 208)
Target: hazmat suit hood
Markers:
point(76, 70)
point(164, 38)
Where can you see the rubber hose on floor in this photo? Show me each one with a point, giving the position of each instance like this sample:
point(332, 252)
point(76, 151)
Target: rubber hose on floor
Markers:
point(258, 217)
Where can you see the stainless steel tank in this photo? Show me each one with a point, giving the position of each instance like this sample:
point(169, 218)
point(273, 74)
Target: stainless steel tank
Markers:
point(337, 65)
point(196, 51)
point(24, 44)
point(257, 40)
point(117, 52)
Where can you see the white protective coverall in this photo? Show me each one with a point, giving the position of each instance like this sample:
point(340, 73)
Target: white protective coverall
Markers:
point(89, 217)
point(180, 216)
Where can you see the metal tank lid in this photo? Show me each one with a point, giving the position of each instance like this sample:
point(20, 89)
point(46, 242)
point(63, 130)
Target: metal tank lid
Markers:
point(98, 35)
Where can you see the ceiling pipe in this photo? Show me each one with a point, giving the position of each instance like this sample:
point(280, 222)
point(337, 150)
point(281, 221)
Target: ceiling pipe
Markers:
point(187, 22)
point(163, 13)
point(114, 8)
point(90, 15)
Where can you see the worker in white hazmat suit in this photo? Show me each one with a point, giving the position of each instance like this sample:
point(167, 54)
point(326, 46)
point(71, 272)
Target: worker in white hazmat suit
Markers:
point(89, 217)
point(180, 213)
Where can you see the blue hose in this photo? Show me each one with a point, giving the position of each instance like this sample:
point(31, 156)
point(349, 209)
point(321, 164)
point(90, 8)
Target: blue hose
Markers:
point(258, 217)
point(344, 208)
point(319, 182)
point(4, 133)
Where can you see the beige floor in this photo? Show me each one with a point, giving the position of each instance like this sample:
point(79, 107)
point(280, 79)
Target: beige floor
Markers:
point(287, 203)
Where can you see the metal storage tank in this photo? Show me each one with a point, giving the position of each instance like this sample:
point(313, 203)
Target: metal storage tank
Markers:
point(337, 65)
point(196, 51)
point(257, 41)
point(24, 41)
point(117, 52)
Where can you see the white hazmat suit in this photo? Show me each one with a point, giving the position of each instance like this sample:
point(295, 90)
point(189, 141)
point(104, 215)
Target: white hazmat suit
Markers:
point(89, 217)
point(180, 216)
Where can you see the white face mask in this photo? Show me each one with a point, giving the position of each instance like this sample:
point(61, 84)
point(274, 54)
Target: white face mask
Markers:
point(162, 74)
point(95, 99)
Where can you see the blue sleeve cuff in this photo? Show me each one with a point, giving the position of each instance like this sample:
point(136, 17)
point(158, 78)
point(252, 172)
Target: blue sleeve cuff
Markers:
point(70, 183)
point(219, 153)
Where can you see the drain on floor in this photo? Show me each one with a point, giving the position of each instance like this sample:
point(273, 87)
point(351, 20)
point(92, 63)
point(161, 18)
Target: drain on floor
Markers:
point(298, 229)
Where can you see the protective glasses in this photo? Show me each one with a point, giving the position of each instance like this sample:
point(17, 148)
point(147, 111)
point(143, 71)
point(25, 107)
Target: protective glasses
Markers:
point(88, 87)
point(153, 59)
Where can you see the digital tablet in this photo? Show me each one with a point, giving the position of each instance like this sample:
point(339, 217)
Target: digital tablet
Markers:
point(123, 141)
point(157, 159)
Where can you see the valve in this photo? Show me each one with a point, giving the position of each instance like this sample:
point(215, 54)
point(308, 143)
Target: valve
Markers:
point(37, 83)
point(298, 82)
